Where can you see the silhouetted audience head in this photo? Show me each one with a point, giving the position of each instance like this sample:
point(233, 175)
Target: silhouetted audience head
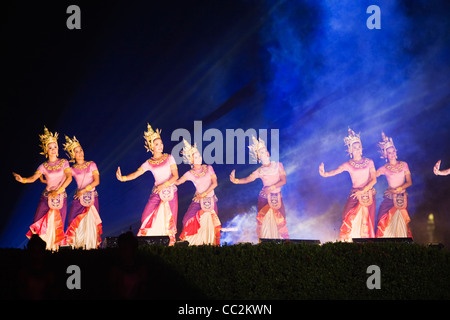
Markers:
point(36, 243)
point(127, 241)
point(36, 279)
point(36, 248)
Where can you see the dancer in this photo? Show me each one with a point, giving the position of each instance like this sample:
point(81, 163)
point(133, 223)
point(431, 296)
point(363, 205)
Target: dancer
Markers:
point(271, 217)
point(438, 172)
point(50, 214)
point(201, 225)
point(84, 223)
point(393, 218)
point(359, 211)
point(160, 214)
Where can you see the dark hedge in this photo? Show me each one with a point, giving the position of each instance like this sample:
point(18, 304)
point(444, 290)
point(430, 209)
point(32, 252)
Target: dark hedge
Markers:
point(265, 271)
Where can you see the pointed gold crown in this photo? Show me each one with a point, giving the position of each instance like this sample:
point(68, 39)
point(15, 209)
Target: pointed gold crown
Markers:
point(47, 138)
point(70, 146)
point(384, 145)
point(150, 136)
point(351, 139)
point(188, 152)
point(255, 147)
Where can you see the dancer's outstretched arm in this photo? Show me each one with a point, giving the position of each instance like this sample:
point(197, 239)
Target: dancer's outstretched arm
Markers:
point(252, 177)
point(331, 173)
point(439, 172)
point(129, 177)
point(31, 179)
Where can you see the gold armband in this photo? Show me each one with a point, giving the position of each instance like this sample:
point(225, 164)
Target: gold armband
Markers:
point(88, 188)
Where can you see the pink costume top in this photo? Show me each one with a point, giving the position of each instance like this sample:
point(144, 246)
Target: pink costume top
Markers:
point(270, 174)
point(395, 175)
point(359, 171)
point(83, 173)
point(54, 173)
point(201, 179)
point(160, 168)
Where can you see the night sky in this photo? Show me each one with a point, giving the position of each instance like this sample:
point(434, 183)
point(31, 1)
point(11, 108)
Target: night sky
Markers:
point(309, 69)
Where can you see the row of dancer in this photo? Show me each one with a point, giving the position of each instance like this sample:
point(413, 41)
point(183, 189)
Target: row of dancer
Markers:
point(84, 223)
point(359, 211)
point(201, 224)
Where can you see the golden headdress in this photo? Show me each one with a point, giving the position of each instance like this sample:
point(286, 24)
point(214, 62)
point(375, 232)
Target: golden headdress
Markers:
point(384, 145)
point(70, 146)
point(350, 140)
point(255, 147)
point(188, 152)
point(47, 138)
point(150, 136)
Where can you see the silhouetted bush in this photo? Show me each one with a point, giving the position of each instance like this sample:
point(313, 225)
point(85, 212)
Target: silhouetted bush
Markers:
point(245, 271)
